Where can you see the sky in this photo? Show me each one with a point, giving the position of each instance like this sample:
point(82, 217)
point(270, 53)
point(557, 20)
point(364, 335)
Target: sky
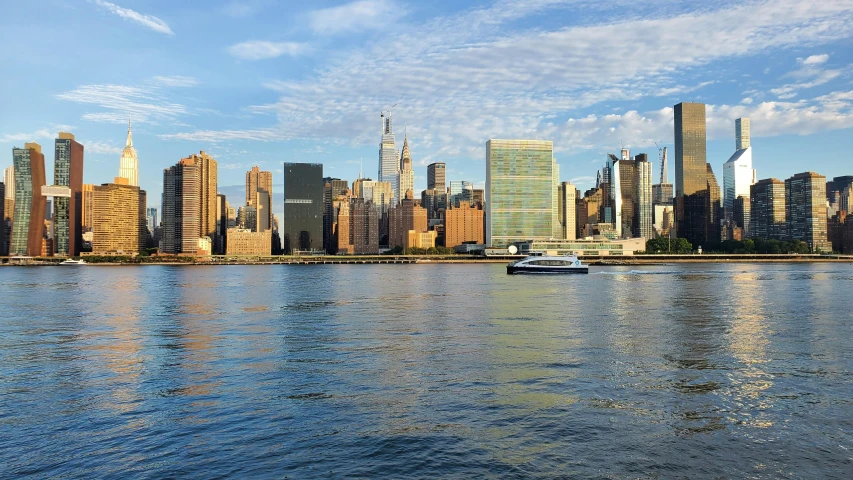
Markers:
point(262, 82)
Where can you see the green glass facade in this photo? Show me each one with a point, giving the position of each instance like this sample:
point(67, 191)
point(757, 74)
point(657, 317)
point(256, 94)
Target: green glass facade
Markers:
point(519, 191)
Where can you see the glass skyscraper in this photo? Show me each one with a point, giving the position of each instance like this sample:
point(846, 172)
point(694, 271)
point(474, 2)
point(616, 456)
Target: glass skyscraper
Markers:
point(28, 220)
point(697, 193)
point(389, 159)
point(302, 223)
point(68, 211)
point(519, 191)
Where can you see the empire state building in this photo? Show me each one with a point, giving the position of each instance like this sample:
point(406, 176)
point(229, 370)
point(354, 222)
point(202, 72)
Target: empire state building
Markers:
point(128, 167)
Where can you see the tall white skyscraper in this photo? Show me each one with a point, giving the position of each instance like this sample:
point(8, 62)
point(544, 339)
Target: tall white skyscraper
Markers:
point(389, 165)
point(9, 181)
point(407, 175)
point(738, 174)
point(129, 164)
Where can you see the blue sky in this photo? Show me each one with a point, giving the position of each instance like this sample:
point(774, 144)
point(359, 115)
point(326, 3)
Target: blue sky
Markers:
point(265, 81)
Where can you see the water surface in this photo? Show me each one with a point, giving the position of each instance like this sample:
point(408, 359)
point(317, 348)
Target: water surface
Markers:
point(413, 371)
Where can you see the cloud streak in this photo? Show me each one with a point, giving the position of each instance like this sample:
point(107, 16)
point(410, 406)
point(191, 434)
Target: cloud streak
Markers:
point(354, 16)
point(148, 21)
point(263, 50)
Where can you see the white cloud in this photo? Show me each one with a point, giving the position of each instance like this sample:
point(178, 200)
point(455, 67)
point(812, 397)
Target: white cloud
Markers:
point(261, 49)
point(462, 79)
point(175, 81)
point(814, 59)
point(143, 103)
point(148, 21)
point(101, 148)
point(40, 135)
point(358, 15)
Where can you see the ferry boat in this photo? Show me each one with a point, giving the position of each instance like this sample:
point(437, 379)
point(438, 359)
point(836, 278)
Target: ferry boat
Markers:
point(543, 263)
point(71, 261)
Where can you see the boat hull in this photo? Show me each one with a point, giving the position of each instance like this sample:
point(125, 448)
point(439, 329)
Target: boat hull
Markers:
point(512, 270)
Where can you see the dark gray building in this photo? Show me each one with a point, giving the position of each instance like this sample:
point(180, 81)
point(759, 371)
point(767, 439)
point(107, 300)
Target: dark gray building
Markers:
point(302, 221)
point(2, 219)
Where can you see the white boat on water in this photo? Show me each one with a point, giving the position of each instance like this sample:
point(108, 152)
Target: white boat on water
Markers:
point(543, 263)
point(71, 261)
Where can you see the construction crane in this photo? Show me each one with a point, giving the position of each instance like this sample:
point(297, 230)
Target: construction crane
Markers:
point(386, 125)
point(662, 158)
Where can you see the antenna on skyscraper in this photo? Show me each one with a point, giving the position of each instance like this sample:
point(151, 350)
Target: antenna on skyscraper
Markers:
point(360, 167)
point(662, 159)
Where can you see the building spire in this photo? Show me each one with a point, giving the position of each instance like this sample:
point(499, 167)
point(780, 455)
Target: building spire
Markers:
point(129, 142)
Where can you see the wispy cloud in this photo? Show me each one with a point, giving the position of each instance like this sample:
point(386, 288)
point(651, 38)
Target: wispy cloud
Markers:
point(464, 78)
point(148, 21)
point(41, 134)
point(810, 74)
point(146, 103)
point(101, 148)
point(354, 16)
point(262, 50)
point(175, 81)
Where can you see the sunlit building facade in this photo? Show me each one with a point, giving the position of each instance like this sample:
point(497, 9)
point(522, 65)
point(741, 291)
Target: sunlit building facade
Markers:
point(805, 210)
point(30, 205)
point(519, 191)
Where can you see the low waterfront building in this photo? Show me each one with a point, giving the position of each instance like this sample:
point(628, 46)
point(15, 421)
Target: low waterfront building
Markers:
point(243, 241)
point(416, 239)
point(586, 247)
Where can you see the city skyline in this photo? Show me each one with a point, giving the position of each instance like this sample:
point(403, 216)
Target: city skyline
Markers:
point(788, 84)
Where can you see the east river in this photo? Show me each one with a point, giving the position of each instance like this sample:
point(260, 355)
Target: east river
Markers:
point(425, 371)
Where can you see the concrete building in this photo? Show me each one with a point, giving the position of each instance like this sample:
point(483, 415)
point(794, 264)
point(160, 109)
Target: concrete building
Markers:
point(181, 221)
point(207, 191)
point(767, 210)
point(356, 226)
point(741, 213)
point(30, 204)
point(88, 206)
point(519, 191)
point(389, 164)
point(302, 223)
point(120, 226)
point(332, 189)
point(242, 241)
point(129, 163)
point(68, 211)
point(258, 181)
point(415, 239)
point(437, 176)
point(567, 206)
point(464, 224)
point(405, 216)
point(805, 210)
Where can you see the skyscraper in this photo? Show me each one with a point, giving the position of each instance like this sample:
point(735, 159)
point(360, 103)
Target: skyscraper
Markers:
point(641, 225)
point(567, 201)
point(805, 210)
point(28, 220)
point(256, 181)
point(220, 240)
point(407, 175)
point(129, 163)
point(302, 223)
point(389, 164)
point(207, 191)
point(68, 211)
point(3, 220)
point(403, 217)
point(662, 192)
point(697, 194)
point(463, 224)
point(119, 218)
point(519, 191)
point(437, 176)
point(332, 188)
point(151, 219)
point(461, 191)
point(767, 210)
point(181, 221)
point(88, 205)
point(738, 174)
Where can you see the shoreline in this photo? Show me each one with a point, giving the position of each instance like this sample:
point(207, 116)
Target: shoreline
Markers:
point(634, 260)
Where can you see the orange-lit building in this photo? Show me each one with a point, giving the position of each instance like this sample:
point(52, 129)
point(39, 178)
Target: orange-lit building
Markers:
point(463, 224)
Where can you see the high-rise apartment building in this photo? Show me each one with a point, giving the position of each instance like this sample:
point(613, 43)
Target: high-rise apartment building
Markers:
point(741, 211)
point(28, 221)
point(220, 241)
point(738, 174)
point(519, 191)
point(356, 227)
point(88, 195)
point(567, 201)
point(405, 216)
point(332, 188)
point(302, 223)
point(805, 210)
point(120, 226)
point(207, 191)
point(697, 193)
point(181, 222)
point(68, 211)
point(389, 164)
point(641, 225)
point(3, 220)
point(129, 163)
point(460, 191)
point(407, 175)
point(463, 224)
point(767, 210)
point(259, 181)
